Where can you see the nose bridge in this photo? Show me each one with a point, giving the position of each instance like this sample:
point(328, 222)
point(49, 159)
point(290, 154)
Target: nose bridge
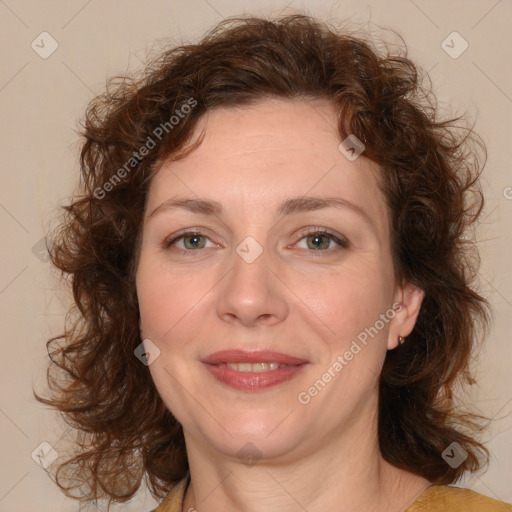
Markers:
point(250, 268)
point(250, 290)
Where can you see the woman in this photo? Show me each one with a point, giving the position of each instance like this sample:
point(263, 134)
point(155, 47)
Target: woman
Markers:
point(272, 282)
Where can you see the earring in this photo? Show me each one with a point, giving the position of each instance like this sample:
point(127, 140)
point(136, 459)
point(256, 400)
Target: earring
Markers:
point(401, 340)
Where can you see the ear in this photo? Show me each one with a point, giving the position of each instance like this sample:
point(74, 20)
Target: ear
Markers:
point(407, 305)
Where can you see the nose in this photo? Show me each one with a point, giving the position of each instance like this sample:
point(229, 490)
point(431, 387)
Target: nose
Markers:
point(252, 292)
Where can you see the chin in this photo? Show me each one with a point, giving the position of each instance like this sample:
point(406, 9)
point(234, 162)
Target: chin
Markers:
point(250, 449)
point(267, 436)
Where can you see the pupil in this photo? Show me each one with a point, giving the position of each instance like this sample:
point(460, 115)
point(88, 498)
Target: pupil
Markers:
point(317, 238)
point(194, 240)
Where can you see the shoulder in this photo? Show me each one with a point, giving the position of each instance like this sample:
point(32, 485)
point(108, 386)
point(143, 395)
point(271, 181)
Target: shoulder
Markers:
point(174, 500)
point(440, 498)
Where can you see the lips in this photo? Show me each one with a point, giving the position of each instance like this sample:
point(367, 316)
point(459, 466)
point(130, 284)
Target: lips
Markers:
point(262, 356)
point(289, 367)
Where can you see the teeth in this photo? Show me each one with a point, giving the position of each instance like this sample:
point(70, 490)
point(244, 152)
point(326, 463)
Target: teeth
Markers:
point(254, 367)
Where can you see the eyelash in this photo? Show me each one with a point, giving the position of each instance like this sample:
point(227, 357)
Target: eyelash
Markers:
point(342, 243)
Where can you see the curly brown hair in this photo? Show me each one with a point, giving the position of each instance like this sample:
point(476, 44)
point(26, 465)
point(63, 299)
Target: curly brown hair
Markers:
point(429, 177)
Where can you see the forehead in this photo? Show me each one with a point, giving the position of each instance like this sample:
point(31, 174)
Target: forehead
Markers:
point(264, 153)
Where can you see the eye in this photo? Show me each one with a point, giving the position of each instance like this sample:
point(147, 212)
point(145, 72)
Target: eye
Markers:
point(319, 239)
point(191, 240)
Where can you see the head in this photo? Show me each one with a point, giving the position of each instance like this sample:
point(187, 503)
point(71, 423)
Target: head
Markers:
point(290, 292)
point(254, 122)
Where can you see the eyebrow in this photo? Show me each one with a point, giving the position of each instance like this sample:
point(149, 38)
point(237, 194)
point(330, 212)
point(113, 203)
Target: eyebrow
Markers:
point(288, 207)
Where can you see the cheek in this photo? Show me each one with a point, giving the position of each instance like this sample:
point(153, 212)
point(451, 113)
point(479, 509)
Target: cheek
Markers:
point(167, 297)
point(169, 309)
point(346, 301)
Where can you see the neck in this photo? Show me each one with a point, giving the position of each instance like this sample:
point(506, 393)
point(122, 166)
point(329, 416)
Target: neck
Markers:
point(348, 474)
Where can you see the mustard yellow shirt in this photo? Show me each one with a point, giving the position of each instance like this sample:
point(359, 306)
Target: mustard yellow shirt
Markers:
point(437, 498)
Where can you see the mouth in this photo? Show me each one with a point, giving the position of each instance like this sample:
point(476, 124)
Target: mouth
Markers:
point(253, 371)
point(255, 367)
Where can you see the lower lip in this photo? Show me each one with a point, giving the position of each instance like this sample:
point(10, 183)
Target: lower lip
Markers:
point(253, 381)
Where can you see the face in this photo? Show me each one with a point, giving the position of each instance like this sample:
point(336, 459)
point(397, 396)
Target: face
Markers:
point(268, 268)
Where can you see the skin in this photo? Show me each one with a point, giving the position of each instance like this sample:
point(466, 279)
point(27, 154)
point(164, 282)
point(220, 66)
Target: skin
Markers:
point(293, 299)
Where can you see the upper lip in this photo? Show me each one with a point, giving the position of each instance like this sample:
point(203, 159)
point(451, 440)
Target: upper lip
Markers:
point(241, 356)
